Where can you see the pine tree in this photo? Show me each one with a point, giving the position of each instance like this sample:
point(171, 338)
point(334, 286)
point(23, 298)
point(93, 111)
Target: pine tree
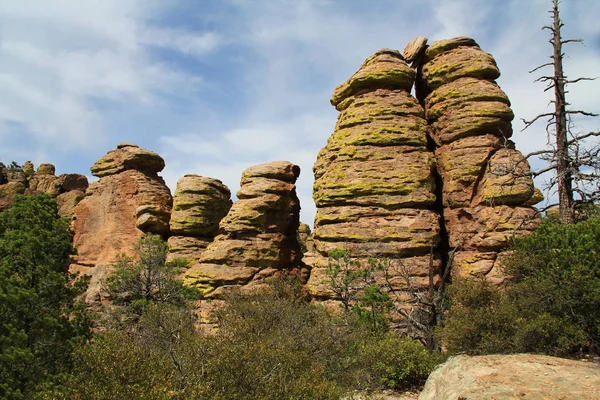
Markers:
point(39, 322)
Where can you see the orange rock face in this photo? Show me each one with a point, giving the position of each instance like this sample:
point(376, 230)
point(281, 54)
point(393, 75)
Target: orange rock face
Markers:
point(487, 191)
point(116, 211)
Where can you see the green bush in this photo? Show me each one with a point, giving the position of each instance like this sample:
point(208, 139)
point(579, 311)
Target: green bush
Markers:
point(40, 320)
point(397, 362)
point(551, 305)
point(270, 344)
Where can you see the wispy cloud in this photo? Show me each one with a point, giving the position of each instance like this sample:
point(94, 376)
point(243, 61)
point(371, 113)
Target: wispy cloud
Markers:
point(219, 85)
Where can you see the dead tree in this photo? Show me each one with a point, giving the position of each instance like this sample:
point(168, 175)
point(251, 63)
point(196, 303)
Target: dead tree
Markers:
point(572, 159)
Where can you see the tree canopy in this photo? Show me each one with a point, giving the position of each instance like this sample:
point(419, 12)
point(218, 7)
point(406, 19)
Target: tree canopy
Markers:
point(38, 322)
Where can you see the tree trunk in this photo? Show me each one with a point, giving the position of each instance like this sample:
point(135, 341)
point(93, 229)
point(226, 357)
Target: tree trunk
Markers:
point(563, 164)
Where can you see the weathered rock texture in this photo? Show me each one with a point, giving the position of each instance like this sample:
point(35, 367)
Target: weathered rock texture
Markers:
point(486, 190)
point(199, 205)
point(518, 376)
point(128, 200)
point(258, 237)
point(374, 180)
point(67, 188)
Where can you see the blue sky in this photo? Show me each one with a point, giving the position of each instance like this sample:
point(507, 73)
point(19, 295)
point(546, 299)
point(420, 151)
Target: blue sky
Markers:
point(215, 86)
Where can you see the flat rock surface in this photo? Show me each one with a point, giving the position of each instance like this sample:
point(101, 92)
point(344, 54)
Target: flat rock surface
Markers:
point(519, 376)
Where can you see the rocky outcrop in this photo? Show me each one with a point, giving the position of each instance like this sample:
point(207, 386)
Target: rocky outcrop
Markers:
point(486, 190)
point(118, 208)
point(511, 377)
point(305, 238)
point(199, 205)
point(374, 180)
point(257, 238)
point(67, 188)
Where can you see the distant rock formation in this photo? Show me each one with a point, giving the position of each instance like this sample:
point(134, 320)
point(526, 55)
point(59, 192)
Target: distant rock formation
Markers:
point(199, 205)
point(257, 238)
point(374, 180)
point(305, 238)
point(515, 376)
point(486, 190)
point(128, 200)
point(68, 189)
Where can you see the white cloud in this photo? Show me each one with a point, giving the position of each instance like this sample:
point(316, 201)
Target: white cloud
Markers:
point(80, 76)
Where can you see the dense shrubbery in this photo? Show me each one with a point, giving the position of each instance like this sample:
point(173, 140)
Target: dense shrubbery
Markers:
point(551, 305)
point(270, 344)
point(40, 321)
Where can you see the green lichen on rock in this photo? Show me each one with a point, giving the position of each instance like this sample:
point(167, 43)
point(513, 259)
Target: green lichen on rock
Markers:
point(199, 205)
point(385, 69)
point(442, 46)
point(458, 63)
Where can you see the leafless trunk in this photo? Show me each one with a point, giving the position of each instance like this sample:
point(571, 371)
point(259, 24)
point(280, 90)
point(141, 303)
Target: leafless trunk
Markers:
point(563, 171)
point(575, 167)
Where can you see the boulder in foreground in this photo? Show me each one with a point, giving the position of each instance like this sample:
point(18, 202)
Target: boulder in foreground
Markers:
point(515, 376)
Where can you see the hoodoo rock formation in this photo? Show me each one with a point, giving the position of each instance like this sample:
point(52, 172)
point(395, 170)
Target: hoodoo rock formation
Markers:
point(413, 180)
point(199, 205)
point(402, 178)
point(486, 189)
point(128, 200)
point(258, 237)
point(68, 189)
point(374, 180)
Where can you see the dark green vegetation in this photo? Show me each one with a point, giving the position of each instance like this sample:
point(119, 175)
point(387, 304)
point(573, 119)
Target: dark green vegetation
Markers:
point(138, 283)
point(551, 306)
point(40, 322)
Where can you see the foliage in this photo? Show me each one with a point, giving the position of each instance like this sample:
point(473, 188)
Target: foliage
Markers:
point(551, 305)
point(397, 362)
point(40, 320)
point(134, 284)
point(355, 286)
point(272, 343)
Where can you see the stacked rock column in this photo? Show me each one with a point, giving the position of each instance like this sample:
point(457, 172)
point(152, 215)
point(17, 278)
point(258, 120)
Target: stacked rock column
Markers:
point(487, 191)
point(374, 180)
point(199, 204)
point(258, 237)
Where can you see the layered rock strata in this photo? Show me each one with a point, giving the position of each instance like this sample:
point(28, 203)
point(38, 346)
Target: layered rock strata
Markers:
point(68, 189)
point(487, 190)
point(258, 237)
point(374, 180)
point(130, 198)
point(199, 205)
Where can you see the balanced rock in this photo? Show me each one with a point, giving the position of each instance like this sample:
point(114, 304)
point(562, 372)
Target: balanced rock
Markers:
point(117, 210)
point(374, 180)
point(526, 376)
point(128, 156)
point(384, 69)
point(487, 186)
point(415, 48)
point(258, 237)
point(199, 205)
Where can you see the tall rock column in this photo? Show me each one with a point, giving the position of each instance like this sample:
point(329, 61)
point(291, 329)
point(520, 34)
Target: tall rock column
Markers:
point(128, 200)
point(199, 204)
point(257, 238)
point(374, 180)
point(487, 192)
